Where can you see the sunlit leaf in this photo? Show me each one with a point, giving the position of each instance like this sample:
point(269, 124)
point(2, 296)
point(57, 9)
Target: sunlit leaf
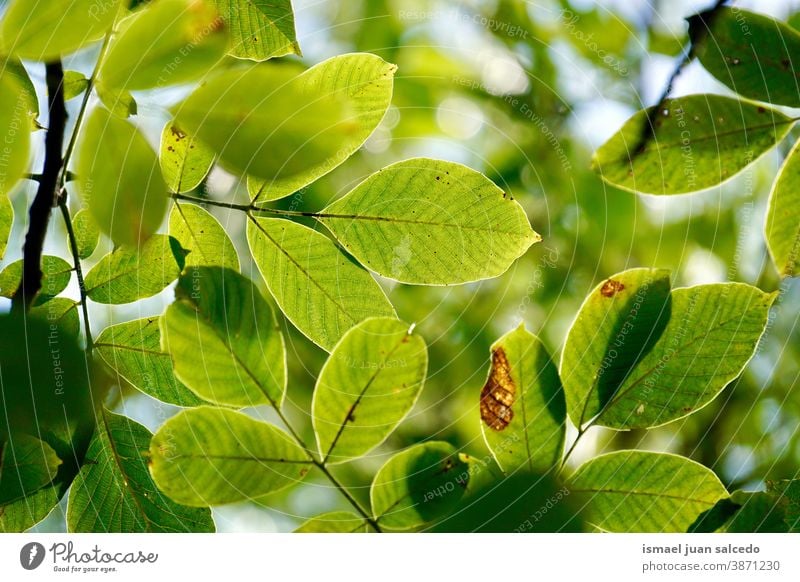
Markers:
point(202, 236)
point(751, 53)
point(265, 121)
point(364, 81)
point(522, 405)
point(211, 456)
point(87, 235)
point(75, 83)
point(335, 522)
point(14, 132)
point(185, 161)
point(26, 464)
point(56, 273)
point(165, 43)
point(47, 29)
point(618, 323)
point(698, 141)
point(368, 385)
point(418, 485)
point(6, 222)
point(115, 493)
point(120, 103)
point(317, 286)
point(223, 339)
point(119, 179)
point(430, 222)
point(783, 217)
point(639, 491)
point(712, 334)
point(128, 274)
point(14, 68)
point(133, 350)
point(23, 514)
point(260, 29)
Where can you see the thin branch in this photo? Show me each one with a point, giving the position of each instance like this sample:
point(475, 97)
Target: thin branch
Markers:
point(322, 467)
point(39, 214)
point(353, 501)
point(76, 259)
point(65, 174)
point(648, 129)
point(581, 432)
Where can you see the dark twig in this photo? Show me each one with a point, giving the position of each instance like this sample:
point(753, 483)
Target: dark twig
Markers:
point(648, 129)
point(46, 194)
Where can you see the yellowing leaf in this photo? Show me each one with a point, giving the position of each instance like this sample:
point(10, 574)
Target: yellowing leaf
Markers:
point(120, 180)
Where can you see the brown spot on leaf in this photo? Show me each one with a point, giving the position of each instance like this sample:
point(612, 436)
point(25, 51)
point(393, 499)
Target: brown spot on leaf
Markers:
point(498, 394)
point(611, 288)
point(177, 132)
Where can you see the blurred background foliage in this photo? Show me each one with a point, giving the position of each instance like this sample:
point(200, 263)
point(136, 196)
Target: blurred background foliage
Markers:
point(524, 92)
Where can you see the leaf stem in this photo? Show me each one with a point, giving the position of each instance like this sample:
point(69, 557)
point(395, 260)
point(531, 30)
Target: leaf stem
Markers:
point(248, 208)
point(82, 111)
point(573, 446)
point(322, 467)
point(353, 501)
point(76, 259)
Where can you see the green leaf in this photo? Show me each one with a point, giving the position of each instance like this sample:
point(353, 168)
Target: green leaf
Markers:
point(60, 311)
point(698, 141)
point(368, 385)
point(430, 222)
point(75, 83)
point(335, 522)
point(618, 323)
point(16, 138)
point(14, 68)
point(782, 226)
point(266, 121)
point(520, 503)
point(639, 491)
point(364, 81)
point(26, 465)
point(185, 161)
point(120, 103)
point(750, 53)
point(23, 514)
point(788, 494)
point(712, 334)
point(129, 274)
point(6, 222)
point(220, 319)
point(202, 236)
point(46, 388)
point(320, 290)
point(115, 493)
point(211, 456)
point(165, 43)
point(45, 30)
point(87, 235)
point(743, 512)
point(418, 485)
point(56, 273)
point(119, 179)
point(133, 350)
point(522, 405)
point(260, 29)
